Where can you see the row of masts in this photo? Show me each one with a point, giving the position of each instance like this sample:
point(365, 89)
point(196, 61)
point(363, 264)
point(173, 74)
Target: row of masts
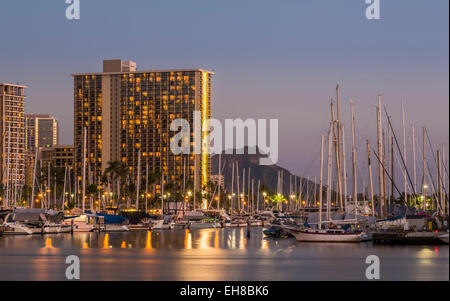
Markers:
point(386, 165)
point(246, 191)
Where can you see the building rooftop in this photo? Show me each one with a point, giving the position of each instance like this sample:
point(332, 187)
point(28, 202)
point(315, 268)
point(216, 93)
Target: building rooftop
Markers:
point(113, 67)
point(143, 71)
point(13, 85)
point(39, 115)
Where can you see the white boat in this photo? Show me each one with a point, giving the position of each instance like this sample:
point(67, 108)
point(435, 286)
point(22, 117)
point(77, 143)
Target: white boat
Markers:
point(111, 222)
point(55, 228)
point(161, 224)
point(25, 221)
point(238, 223)
point(115, 228)
point(255, 223)
point(326, 235)
point(444, 238)
point(82, 223)
point(226, 223)
point(204, 224)
point(18, 228)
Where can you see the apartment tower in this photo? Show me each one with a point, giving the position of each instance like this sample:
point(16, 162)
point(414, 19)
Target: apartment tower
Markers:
point(127, 113)
point(12, 141)
point(41, 131)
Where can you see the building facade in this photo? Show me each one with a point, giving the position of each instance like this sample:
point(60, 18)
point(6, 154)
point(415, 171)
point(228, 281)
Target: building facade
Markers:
point(12, 142)
point(59, 156)
point(126, 115)
point(41, 131)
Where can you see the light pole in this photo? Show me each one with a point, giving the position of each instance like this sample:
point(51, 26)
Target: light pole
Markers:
point(424, 206)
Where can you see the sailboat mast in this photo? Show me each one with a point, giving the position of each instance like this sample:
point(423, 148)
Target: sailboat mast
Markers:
point(138, 180)
point(8, 173)
point(34, 179)
point(439, 179)
point(84, 172)
point(405, 189)
point(391, 143)
point(380, 164)
point(162, 194)
point(329, 167)
point(64, 189)
point(355, 192)
point(321, 181)
point(370, 177)
point(335, 127)
point(243, 188)
point(257, 197)
point(424, 170)
point(414, 157)
point(146, 181)
point(344, 166)
point(248, 191)
point(232, 189)
point(220, 173)
point(237, 188)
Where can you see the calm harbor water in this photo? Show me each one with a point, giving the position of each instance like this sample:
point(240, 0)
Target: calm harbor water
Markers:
point(210, 254)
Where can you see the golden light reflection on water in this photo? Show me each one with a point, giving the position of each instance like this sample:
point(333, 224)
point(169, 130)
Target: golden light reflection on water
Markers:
point(187, 239)
point(216, 239)
point(425, 255)
point(204, 239)
point(242, 241)
point(106, 241)
point(148, 241)
point(48, 243)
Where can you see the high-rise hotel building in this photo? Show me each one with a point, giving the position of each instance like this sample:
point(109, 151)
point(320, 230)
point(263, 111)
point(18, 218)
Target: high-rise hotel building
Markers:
point(12, 141)
point(41, 131)
point(127, 112)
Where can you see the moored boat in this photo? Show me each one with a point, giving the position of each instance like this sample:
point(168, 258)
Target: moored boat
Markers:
point(444, 238)
point(325, 235)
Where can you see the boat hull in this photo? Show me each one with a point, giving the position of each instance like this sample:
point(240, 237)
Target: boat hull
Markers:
point(444, 238)
point(204, 225)
point(115, 228)
point(307, 236)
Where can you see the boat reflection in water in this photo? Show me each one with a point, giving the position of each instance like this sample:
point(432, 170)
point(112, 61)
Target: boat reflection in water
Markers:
point(209, 254)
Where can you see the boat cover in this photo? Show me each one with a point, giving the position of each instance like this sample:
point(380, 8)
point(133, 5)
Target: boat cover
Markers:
point(37, 215)
point(113, 219)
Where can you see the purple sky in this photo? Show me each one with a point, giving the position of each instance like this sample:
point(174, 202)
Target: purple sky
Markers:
point(272, 59)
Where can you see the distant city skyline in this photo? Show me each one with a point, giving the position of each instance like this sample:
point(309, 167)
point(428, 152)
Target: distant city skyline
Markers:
point(271, 60)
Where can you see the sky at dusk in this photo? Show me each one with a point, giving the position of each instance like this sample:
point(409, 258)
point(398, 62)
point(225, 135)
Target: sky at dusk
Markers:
point(272, 59)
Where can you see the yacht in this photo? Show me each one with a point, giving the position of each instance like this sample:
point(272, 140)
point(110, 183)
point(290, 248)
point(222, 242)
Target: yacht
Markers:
point(27, 221)
point(325, 235)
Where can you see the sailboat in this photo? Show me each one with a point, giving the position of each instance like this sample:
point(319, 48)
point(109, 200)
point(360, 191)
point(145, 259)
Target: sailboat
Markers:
point(332, 233)
point(27, 221)
point(325, 235)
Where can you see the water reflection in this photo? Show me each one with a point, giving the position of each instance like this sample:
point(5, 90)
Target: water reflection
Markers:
point(210, 254)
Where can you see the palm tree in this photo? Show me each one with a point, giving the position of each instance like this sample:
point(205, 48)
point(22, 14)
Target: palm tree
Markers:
point(91, 190)
point(117, 171)
point(2, 191)
point(153, 179)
